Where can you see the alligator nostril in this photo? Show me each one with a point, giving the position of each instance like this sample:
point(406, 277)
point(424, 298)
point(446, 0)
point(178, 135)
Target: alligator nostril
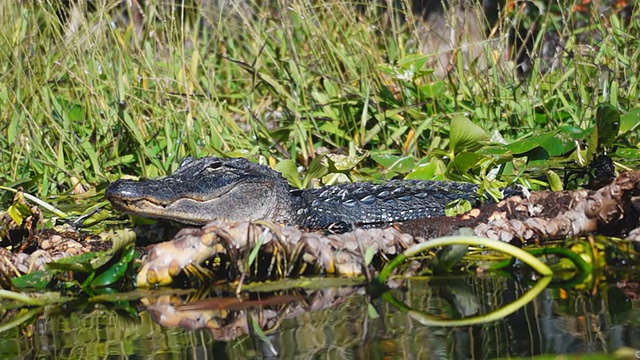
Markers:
point(122, 189)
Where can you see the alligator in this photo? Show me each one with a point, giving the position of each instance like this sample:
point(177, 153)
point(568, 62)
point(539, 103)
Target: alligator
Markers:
point(210, 188)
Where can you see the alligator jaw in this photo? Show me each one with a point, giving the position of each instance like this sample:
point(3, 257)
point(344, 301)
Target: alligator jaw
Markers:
point(173, 211)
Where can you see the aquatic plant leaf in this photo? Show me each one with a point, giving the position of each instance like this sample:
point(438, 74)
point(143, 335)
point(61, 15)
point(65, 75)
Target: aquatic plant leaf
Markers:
point(315, 171)
point(630, 121)
point(342, 163)
point(19, 208)
point(372, 312)
point(555, 183)
point(522, 146)
point(37, 280)
point(78, 263)
point(117, 270)
point(465, 135)
point(463, 162)
point(424, 172)
point(607, 124)
point(449, 257)
point(457, 207)
point(399, 164)
point(255, 325)
point(628, 153)
point(289, 170)
point(555, 143)
point(369, 253)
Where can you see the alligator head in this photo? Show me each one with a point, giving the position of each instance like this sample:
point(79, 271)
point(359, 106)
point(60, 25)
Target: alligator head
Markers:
point(206, 189)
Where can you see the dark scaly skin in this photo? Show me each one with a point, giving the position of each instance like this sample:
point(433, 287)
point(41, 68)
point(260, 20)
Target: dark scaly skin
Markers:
point(210, 188)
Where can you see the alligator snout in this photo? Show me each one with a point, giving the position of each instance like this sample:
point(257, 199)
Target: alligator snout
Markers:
point(124, 189)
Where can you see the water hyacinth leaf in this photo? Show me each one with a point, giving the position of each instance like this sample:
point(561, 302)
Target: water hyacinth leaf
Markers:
point(457, 207)
point(117, 270)
point(432, 90)
point(465, 135)
point(37, 280)
point(464, 162)
point(449, 257)
point(522, 146)
point(555, 143)
point(342, 163)
point(82, 263)
point(627, 153)
point(289, 170)
point(393, 163)
point(19, 209)
point(630, 121)
point(607, 124)
point(560, 143)
point(315, 170)
point(424, 172)
point(415, 61)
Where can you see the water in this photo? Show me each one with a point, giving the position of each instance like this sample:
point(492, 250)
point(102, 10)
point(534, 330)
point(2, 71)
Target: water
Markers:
point(336, 324)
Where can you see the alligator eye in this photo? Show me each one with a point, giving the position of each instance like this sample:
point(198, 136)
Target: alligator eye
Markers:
point(213, 166)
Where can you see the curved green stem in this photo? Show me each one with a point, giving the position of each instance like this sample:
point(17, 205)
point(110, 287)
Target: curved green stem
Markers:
point(500, 313)
point(27, 300)
point(577, 260)
point(504, 247)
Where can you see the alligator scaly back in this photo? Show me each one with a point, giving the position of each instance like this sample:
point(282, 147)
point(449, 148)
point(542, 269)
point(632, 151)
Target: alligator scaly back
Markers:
point(210, 188)
point(342, 207)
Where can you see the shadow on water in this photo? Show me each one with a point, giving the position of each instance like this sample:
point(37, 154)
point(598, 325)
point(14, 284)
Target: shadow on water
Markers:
point(342, 323)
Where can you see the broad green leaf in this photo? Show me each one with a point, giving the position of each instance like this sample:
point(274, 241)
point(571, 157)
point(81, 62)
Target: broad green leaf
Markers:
point(432, 90)
point(464, 162)
point(117, 270)
point(341, 163)
point(555, 143)
point(19, 209)
point(79, 263)
point(630, 121)
point(457, 207)
point(522, 146)
point(628, 153)
point(289, 170)
point(315, 171)
point(449, 257)
point(608, 124)
point(394, 163)
point(423, 172)
point(536, 154)
point(465, 135)
point(37, 280)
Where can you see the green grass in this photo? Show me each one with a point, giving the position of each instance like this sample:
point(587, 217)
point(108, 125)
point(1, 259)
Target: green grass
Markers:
point(296, 80)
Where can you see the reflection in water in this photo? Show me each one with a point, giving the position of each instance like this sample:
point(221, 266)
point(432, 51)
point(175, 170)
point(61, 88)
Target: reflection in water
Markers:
point(334, 323)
